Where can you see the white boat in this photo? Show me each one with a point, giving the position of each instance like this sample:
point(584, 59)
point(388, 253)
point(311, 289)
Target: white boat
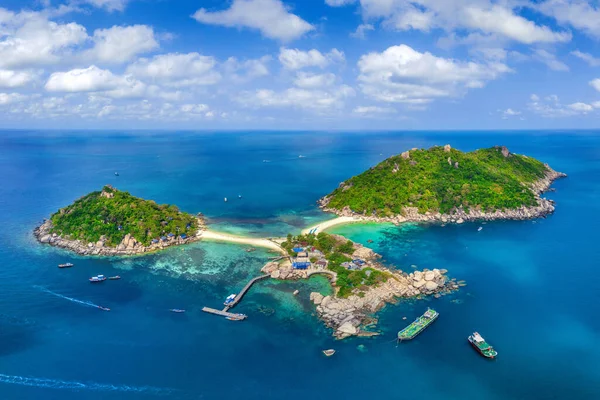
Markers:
point(230, 299)
point(98, 278)
point(480, 229)
point(329, 352)
point(225, 199)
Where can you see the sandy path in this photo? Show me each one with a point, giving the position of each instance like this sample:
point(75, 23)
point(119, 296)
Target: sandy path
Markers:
point(226, 237)
point(322, 226)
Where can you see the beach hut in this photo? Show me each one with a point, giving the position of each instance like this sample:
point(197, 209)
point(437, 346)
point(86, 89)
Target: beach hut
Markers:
point(300, 264)
point(297, 249)
point(154, 241)
point(163, 238)
point(170, 235)
point(183, 236)
point(359, 262)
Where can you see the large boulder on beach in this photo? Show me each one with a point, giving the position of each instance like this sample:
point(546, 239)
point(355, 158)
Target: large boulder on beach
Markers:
point(429, 275)
point(347, 328)
point(316, 298)
point(420, 283)
point(431, 285)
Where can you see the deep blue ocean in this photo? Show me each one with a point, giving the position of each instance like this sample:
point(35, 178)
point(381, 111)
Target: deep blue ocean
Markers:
point(532, 286)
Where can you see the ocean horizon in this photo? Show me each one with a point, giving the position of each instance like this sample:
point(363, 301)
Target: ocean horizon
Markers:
point(529, 290)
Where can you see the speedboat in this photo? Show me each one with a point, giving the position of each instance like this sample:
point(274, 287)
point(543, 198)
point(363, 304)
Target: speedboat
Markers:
point(104, 308)
point(98, 278)
point(329, 352)
point(114, 278)
point(237, 317)
point(225, 199)
point(480, 229)
point(65, 265)
point(177, 310)
point(229, 299)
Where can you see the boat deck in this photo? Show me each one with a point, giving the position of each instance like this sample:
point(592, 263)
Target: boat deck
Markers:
point(417, 326)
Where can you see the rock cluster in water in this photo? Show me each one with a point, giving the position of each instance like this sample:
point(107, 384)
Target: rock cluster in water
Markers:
point(128, 246)
point(348, 316)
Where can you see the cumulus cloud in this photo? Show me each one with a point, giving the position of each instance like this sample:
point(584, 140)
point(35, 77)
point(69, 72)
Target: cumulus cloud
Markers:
point(361, 30)
point(122, 43)
point(402, 74)
point(270, 17)
point(13, 79)
point(370, 110)
point(551, 107)
point(30, 39)
point(109, 5)
point(94, 79)
point(579, 14)
point(595, 84)
point(297, 59)
point(241, 71)
point(509, 112)
point(314, 81)
point(581, 107)
point(9, 98)
point(177, 70)
point(486, 16)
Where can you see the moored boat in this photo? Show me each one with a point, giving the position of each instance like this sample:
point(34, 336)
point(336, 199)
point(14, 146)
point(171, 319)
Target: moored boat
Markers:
point(229, 299)
point(237, 317)
point(482, 347)
point(177, 310)
point(104, 308)
point(65, 265)
point(329, 352)
point(114, 278)
point(419, 325)
point(98, 278)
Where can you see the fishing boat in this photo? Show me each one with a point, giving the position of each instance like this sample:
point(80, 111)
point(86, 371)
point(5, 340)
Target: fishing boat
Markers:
point(229, 299)
point(104, 308)
point(237, 317)
point(114, 278)
point(419, 325)
point(483, 347)
point(65, 265)
point(98, 278)
point(329, 352)
point(177, 310)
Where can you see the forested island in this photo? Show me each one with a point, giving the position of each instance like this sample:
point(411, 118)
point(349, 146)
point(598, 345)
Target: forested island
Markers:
point(113, 222)
point(445, 184)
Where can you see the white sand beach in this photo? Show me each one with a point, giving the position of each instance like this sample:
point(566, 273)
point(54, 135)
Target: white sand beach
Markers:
point(226, 237)
point(322, 226)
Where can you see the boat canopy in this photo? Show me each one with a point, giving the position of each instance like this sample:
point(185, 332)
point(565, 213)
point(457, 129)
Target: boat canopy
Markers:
point(477, 337)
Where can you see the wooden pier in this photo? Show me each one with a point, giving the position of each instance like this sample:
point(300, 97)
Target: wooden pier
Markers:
point(225, 312)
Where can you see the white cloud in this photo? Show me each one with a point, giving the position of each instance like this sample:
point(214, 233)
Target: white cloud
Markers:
point(270, 17)
point(246, 70)
point(109, 5)
point(486, 16)
point(369, 110)
point(315, 100)
point(588, 58)
point(94, 79)
point(9, 98)
point(595, 84)
point(13, 79)
point(177, 70)
point(361, 30)
point(579, 14)
point(297, 59)
point(534, 97)
point(402, 74)
point(121, 43)
point(314, 81)
point(509, 112)
point(550, 60)
point(581, 107)
point(29, 38)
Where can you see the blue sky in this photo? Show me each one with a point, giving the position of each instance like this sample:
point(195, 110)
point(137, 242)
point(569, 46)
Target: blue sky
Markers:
point(291, 64)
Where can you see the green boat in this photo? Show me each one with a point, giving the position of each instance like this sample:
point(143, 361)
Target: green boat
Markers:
point(418, 325)
point(483, 347)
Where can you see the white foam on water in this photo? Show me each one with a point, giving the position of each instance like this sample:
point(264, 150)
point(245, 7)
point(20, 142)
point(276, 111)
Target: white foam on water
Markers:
point(82, 302)
point(74, 385)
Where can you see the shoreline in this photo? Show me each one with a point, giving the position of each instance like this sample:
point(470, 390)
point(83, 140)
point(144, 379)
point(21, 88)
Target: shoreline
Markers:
point(459, 216)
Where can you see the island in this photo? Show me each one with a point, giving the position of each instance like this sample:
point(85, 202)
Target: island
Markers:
point(362, 285)
point(111, 222)
point(442, 184)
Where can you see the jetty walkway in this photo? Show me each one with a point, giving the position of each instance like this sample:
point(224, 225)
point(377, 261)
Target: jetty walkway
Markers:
point(225, 312)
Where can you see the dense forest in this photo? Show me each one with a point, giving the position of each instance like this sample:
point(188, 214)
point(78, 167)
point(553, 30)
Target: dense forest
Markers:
point(113, 214)
point(441, 179)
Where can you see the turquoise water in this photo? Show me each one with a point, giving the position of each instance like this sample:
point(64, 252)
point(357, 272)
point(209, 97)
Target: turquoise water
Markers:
point(530, 285)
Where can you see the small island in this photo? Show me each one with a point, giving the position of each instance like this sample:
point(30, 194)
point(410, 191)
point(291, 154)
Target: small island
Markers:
point(442, 184)
point(362, 285)
point(112, 222)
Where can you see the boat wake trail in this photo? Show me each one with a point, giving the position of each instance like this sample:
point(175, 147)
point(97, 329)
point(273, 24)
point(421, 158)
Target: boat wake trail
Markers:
point(73, 385)
point(85, 303)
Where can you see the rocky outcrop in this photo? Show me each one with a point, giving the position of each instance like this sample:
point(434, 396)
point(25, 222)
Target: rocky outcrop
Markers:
point(348, 316)
point(128, 246)
point(411, 214)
